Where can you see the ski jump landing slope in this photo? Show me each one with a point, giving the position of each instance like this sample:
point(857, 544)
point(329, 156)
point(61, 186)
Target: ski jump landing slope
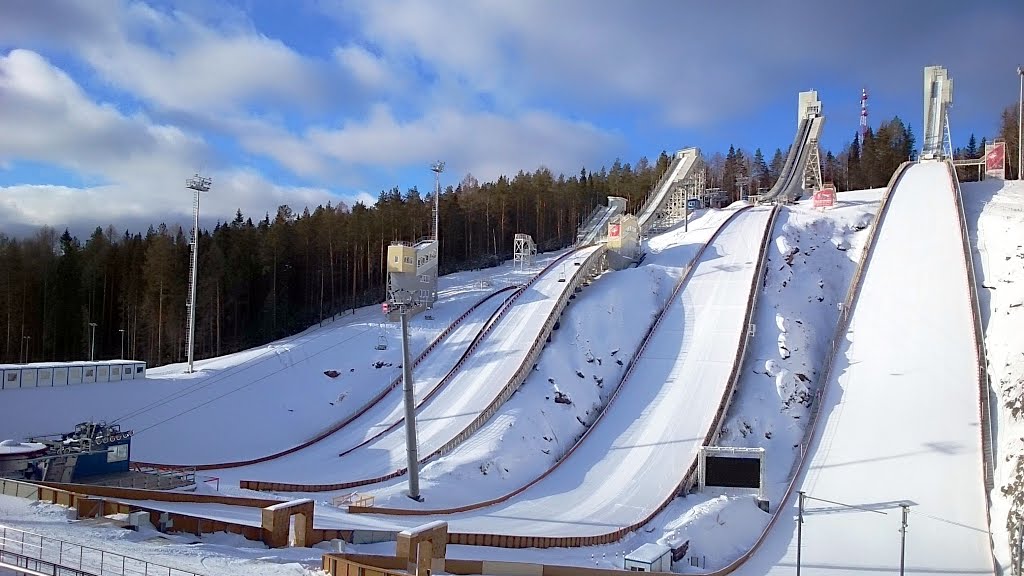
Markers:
point(636, 455)
point(479, 380)
point(901, 420)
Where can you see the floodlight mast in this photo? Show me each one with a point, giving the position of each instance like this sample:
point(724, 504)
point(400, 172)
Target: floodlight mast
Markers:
point(437, 167)
point(198, 184)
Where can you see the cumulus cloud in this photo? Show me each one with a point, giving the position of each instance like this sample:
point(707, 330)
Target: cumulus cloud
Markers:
point(140, 165)
point(686, 64)
point(486, 144)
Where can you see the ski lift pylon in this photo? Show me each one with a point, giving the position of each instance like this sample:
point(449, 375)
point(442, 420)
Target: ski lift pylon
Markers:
point(382, 339)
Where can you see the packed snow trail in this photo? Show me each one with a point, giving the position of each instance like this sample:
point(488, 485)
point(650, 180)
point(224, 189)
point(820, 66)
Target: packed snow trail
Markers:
point(900, 418)
point(479, 380)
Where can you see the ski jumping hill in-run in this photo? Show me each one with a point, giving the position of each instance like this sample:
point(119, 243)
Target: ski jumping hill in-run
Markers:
point(900, 421)
point(271, 398)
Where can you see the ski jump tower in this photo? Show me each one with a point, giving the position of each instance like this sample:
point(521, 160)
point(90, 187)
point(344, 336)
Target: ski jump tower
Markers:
point(810, 111)
point(412, 266)
point(938, 97)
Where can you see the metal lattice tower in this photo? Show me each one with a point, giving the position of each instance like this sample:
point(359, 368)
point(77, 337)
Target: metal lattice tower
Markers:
point(524, 250)
point(863, 113)
point(198, 184)
point(812, 170)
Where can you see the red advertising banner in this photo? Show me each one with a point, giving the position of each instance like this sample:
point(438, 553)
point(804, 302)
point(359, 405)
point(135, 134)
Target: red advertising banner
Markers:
point(825, 198)
point(384, 307)
point(614, 230)
point(995, 160)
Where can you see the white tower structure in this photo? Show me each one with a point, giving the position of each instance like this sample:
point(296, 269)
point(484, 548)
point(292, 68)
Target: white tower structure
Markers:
point(412, 267)
point(938, 97)
point(198, 184)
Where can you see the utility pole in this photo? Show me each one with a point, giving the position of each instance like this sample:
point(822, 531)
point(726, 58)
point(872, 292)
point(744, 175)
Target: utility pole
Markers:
point(121, 330)
point(800, 530)
point(1020, 124)
point(403, 299)
point(92, 341)
point(198, 184)
point(903, 535)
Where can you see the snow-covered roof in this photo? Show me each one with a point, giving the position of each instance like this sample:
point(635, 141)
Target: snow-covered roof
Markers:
point(9, 447)
point(63, 364)
point(648, 553)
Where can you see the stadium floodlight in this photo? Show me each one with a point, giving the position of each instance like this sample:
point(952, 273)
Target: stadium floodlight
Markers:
point(198, 184)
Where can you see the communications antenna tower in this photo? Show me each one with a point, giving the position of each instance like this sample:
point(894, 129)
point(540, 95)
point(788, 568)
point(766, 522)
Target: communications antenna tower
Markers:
point(863, 113)
point(198, 184)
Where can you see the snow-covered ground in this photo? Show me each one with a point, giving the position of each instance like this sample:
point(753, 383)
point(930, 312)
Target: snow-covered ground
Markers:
point(476, 383)
point(211, 554)
point(812, 256)
point(995, 219)
point(900, 421)
point(576, 374)
point(180, 418)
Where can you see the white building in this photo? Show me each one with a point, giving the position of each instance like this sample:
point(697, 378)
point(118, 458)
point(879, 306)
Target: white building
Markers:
point(42, 374)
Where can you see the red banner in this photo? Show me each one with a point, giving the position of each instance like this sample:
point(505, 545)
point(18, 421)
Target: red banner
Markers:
point(614, 230)
point(995, 160)
point(825, 198)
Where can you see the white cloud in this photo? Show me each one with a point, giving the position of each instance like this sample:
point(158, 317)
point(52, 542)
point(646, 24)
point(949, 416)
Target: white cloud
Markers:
point(141, 165)
point(486, 144)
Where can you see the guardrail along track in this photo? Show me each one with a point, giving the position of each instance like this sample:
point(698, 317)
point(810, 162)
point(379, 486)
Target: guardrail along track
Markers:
point(520, 375)
point(981, 357)
point(509, 541)
point(842, 326)
point(348, 419)
point(630, 366)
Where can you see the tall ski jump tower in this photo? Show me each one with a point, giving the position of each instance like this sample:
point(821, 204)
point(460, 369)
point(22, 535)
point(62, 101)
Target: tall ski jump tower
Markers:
point(938, 97)
point(412, 266)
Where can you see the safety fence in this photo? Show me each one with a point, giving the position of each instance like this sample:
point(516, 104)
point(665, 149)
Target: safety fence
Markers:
point(42, 554)
point(355, 414)
point(297, 487)
point(981, 358)
point(627, 372)
point(842, 327)
point(440, 385)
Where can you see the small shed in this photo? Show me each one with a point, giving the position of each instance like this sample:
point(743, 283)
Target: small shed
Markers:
point(649, 558)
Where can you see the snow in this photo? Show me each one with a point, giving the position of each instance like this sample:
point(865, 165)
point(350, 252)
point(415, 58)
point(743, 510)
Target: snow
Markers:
point(900, 424)
point(218, 553)
point(657, 425)
point(282, 382)
point(995, 218)
point(600, 332)
point(474, 386)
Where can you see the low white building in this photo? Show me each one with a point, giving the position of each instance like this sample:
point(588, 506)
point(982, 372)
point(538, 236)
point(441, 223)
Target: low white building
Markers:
point(43, 374)
point(649, 558)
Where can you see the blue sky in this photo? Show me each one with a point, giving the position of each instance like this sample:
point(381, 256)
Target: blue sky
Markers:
point(108, 105)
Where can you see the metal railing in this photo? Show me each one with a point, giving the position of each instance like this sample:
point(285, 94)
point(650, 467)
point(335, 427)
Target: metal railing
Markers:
point(41, 554)
point(981, 356)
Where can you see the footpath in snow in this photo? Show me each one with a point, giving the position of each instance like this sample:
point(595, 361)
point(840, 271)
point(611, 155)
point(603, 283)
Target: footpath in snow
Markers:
point(900, 420)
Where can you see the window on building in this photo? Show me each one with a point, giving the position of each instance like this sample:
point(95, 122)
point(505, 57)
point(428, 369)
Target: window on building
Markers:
point(425, 278)
point(138, 369)
point(117, 453)
point(89, 372)
point(408, 259)
point(12, 376)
